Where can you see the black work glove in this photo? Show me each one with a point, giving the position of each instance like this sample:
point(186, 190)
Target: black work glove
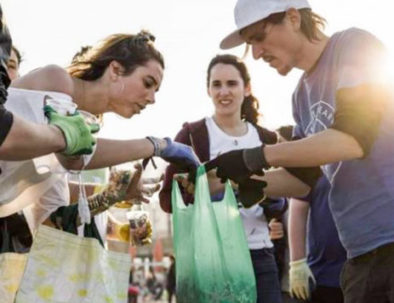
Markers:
point(251, 192)
point(239, 165)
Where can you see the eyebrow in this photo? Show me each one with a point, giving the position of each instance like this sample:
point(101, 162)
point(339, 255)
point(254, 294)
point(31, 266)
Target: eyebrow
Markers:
point(257, 32)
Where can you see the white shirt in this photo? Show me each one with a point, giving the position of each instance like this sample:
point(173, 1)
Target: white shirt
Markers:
point(253, 218)
point(37, 186)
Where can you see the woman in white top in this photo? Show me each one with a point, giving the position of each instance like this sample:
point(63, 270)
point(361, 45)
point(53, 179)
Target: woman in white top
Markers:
point(122, 75)
point(232, 126)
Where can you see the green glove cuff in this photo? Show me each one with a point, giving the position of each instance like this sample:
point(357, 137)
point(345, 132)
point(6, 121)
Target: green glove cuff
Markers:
point(77, 133)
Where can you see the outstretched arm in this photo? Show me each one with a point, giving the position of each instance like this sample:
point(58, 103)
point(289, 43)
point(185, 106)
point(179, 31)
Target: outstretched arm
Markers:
point(27, 140)
point(322, 148)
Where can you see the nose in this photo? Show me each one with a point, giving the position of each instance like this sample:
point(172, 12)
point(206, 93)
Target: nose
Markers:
point(224, 90)
point(257, 52)
point(151, 97)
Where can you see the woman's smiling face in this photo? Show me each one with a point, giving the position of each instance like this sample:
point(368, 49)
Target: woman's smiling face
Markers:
point(227, 89)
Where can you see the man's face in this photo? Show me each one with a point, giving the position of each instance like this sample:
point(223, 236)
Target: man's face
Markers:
point(277, 44)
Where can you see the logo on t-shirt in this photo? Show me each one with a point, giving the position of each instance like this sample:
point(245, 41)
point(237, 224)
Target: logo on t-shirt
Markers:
point(322, 116)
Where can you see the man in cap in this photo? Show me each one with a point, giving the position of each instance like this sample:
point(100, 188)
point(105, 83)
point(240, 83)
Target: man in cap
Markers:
point(20, 139)
point(344, 114)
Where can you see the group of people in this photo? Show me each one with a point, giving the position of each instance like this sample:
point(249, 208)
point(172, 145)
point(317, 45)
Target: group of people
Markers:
point(337, 165)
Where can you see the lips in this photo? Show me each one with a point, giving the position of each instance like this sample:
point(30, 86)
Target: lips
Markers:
point(141, 106)
point(138, 108)
point(225, 102)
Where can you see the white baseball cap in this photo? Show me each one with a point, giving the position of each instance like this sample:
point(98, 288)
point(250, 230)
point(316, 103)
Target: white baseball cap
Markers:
point(248, 12)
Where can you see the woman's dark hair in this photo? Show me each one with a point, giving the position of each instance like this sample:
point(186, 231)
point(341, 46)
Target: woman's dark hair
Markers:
point(311, 22)
point(78, 56)
point(250, 105)
point(130, 51)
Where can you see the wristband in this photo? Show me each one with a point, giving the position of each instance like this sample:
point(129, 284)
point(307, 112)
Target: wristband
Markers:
point(156, 145)
point(254, 159)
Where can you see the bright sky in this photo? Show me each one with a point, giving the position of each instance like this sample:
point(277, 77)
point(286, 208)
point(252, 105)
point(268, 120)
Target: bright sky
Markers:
point(188, 33)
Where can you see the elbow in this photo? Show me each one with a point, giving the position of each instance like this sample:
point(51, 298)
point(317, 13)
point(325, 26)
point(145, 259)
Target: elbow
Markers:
point(303, 191)
point(70, 163)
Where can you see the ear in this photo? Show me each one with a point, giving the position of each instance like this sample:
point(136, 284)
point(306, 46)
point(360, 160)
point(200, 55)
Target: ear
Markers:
point(248, 90)
point(294, 17)
point(115, 70)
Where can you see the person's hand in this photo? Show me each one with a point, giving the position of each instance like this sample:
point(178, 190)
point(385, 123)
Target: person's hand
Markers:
point(302, 281)
point(142, 189)
point(239, 165)
point(179, 154)
point(188, 181)
point(77, 134)
point(184, 181)
point(276, 229)
point(251, 192)
point(124, 186)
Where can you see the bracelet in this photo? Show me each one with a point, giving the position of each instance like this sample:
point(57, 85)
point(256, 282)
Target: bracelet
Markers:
point(156, 145)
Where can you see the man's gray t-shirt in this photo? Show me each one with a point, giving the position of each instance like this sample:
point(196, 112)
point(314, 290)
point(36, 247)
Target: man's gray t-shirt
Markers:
point(362, 190)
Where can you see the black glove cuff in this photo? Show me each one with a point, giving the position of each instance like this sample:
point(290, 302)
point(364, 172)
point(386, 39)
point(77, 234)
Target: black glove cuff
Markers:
point(254, 159)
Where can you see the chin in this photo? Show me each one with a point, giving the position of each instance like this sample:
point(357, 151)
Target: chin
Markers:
point(283, 71)
point(126, 115)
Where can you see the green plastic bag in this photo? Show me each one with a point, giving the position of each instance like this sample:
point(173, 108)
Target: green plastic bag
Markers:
point(213, 262)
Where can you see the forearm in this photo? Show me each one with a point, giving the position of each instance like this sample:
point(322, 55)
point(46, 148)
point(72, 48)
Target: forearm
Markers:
point(114, 152)
point(325, 147)
point(29, 140)
point(74, 191)
point(298, 215)
point(281, 183)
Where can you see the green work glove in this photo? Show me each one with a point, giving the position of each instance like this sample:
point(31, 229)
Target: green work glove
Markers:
point(302, 281)
point(77, 133)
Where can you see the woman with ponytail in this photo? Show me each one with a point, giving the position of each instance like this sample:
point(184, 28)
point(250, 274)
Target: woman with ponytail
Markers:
point(232, 126)
point(121, 74)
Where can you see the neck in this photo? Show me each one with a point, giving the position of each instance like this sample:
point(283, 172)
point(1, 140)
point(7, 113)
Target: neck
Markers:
point(312, 52)
point(231, 124)
point(90, 96)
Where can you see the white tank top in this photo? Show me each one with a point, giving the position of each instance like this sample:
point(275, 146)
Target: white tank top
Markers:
point(253, 218)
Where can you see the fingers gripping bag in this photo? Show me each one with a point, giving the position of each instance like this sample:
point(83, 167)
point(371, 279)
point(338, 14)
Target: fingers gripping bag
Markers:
point(212, 257)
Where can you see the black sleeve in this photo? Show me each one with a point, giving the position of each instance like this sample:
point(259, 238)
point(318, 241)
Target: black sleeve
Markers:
point(6, 120)
point(359, 112)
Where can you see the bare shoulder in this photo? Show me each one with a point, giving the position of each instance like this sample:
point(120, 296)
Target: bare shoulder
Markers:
point(48, 78)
